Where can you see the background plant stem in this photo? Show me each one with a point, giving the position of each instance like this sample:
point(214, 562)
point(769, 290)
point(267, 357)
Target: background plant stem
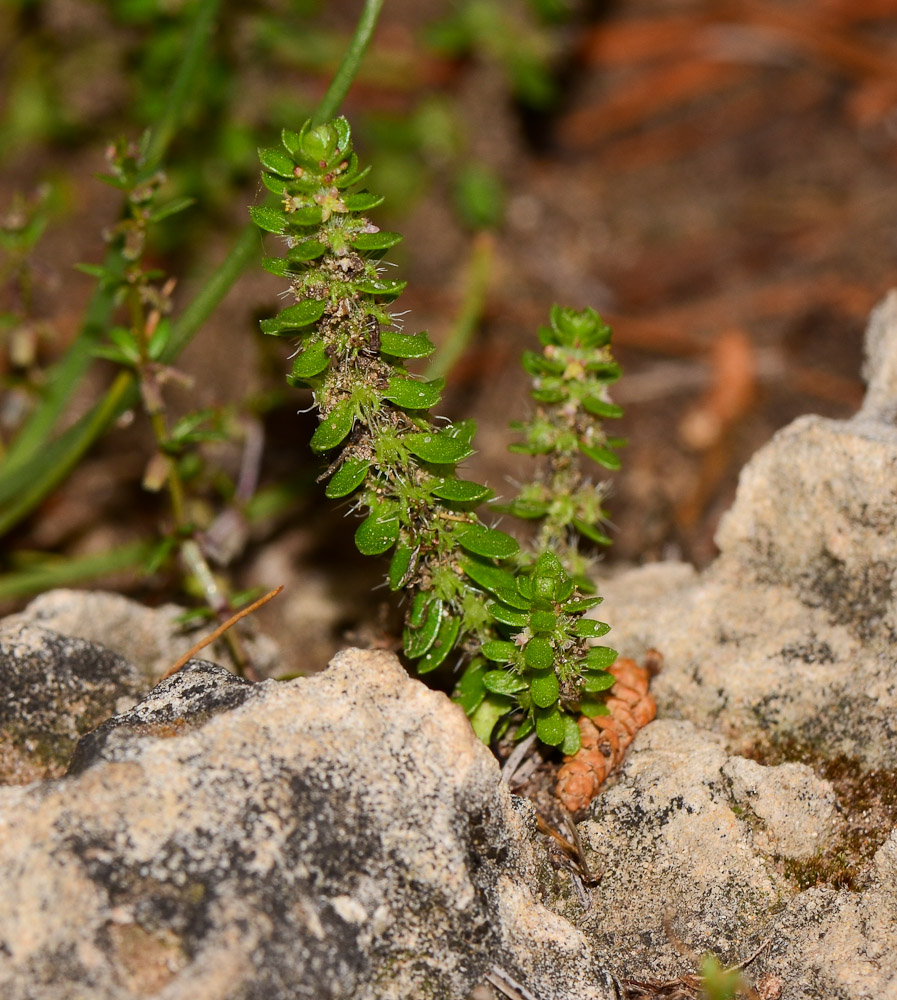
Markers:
point(67, 373)
point(331, 102)
point(478, 275)
point(34, 465)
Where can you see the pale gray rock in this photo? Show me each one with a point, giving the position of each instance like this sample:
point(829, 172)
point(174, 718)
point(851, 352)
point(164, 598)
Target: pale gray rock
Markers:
point(796, 812)
point(149, 638)
point(839, 945)
point(343, 835)
point(679, 859)
point(55, 689)
point(790, 634)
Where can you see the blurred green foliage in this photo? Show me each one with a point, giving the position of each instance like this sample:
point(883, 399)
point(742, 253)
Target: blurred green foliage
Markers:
point(81, 76)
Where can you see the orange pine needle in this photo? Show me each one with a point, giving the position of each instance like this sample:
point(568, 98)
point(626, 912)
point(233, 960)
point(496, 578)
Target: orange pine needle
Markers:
point(209, 639)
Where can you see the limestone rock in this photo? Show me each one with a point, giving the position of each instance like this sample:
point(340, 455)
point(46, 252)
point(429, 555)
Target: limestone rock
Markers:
point(55, 689)
point(789, 635)
point(149, 638)
point(678, 858)
point(183, 701)
point(342, 835)
point(796, 811)
point(839, 945)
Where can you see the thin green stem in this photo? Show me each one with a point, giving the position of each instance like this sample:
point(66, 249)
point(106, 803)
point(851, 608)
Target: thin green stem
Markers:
point(54, 464)
point(59, 573)
point(331, 101)
point(184, 84)
point(478, 275)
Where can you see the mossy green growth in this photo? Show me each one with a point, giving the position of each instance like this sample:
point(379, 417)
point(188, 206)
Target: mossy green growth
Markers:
point(515, 617)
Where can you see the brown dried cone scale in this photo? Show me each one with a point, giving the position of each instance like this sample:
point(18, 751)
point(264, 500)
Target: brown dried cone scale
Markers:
point(606, 737)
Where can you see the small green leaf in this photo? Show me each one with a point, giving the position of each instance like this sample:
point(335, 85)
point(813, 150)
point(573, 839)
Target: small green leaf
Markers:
point(437, 447)
point(601, 657)
point(460, 491)
point(512, 597)
point(539, 654)
point(542, 621)
point(95, 271)
point(306, 250)
point(413, 395)
point(471, 689)
point(276, 185)
point(588, 628)
point(277, 162)
point(384, 287)
point(525, 728)
point(527, 509)
point(572, 737)
point(603, 456)
point(269, 219)
point(378, 532)
point(607, 371)
point(487, 714)
point(375, 241)
point(537, 364)
point(291, 141)
point(276, 265)
point(171, 208)
point(550, 725)
point(500, 651)
point(310, 361)
point(550, 396)
point(442, 647)
point(310, 215)
point(508, 616)
point(399, 566)
point(363, 201)
point(418, 612)
point(594, 681)
point(464, 430)
point(349, 476)
point(504, 682)
point(404, 345)
point(591, 532)
point(544, 688)
point(582, 604)
point(296, 317)
point(491, 578)
point(489, 542)
point(417, 641)
point(601, 408)
point(591, 706)
point(334, 427)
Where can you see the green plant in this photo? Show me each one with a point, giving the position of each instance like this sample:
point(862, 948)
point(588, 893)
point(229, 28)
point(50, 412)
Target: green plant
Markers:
point(517, 617)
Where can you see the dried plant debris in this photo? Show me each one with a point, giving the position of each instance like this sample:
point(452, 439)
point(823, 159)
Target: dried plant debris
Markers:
point(605, 738)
